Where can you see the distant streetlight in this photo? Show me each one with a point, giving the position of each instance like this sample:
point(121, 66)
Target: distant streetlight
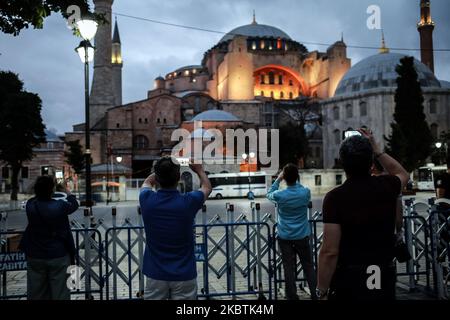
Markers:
point(438, 145)
point(88, 29)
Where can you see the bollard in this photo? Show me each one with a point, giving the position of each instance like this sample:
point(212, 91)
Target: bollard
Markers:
point(87, 252)
point(204, 215)
point(114, 251)
point(258, 252)
point(410, 268)
point(230, 215)
point(438, 272)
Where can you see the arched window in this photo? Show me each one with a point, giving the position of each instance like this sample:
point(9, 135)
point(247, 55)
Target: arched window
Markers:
point(262, 93)
point(158, 120)
point(281, 95)
point(262, 78)
point(140, 142)
point(291, 83)
point(349, 111)
point(263, 44)
point(271, 94)
point(271, 78)
point(318, 152)
point(363, 109)
point(337, 136)
point(433, 106)
point(291, 95)
point(117, 125)
point(140, 120)
point(164, 121)
point(434, 130)
point(280, 79)
point(146, 120)
point(336, 113)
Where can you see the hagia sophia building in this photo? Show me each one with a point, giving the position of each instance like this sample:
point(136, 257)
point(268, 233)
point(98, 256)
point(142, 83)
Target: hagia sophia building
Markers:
point(256, 76)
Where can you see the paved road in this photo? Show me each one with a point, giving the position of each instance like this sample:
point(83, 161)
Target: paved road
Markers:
point(17, 219)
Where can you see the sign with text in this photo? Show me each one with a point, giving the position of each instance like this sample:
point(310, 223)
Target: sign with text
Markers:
point(200, 252)
point(13, 261)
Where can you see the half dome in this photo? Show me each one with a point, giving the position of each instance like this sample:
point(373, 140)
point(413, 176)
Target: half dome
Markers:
point(215, 115)
point(256, 30)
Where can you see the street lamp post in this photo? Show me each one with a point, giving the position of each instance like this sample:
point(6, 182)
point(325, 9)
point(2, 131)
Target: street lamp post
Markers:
point(87, 28)
point(440, 145)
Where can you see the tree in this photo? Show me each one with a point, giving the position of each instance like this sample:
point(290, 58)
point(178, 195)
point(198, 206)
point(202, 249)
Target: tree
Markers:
point(21, 126)
point(410, 141)
point(16, 15)
point(293, 133)
point(293, 143)
point(75, 157)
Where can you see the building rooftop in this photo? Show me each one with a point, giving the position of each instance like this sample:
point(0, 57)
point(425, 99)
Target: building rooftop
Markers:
point(378, 71)
point(256, 30)
point(215, 115)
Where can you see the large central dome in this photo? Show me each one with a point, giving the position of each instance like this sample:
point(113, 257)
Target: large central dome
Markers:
point(256, 30)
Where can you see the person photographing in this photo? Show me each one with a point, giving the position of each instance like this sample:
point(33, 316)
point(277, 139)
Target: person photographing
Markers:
point(168, 215)
point(359, 225)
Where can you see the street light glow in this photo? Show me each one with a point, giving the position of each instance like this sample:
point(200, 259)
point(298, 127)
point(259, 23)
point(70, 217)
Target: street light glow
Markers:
point(244, 156)
point(87, 28)
point(438, 145)
point(252, 154)
point(119, 159)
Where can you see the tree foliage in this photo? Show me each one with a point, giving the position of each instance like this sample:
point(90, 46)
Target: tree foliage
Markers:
point(21, 126)
point(16, 15)
point(410, 141)
point(293, 143)
point(74, 156)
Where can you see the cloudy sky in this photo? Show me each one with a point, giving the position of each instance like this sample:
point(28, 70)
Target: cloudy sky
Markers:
point(46, 61)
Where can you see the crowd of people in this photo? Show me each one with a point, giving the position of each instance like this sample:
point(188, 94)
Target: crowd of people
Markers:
point(362, 229)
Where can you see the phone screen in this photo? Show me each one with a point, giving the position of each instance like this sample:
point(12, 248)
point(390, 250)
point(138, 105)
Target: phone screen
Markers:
point(351, 133)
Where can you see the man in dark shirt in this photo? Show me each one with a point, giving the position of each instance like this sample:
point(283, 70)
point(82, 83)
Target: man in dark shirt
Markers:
point(359, 225)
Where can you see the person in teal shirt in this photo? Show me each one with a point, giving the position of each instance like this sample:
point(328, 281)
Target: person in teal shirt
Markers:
point(293, 229)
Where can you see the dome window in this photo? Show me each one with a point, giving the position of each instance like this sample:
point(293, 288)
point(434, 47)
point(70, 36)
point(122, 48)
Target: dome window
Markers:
point(263, 44)
point(254, 45)
point(349, 111)
point(291, 95)
point(194, 71)
point(363, 109)
point(186, 73)
point(279, 44)
point(281, 95)
point(336, 113)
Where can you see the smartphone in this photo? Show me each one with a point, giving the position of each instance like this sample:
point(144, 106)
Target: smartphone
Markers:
point(184, 162)
point(351, 133)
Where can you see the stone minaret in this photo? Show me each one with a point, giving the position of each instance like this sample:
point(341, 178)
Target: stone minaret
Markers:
point(426, 27)
point(102, 94)
point(116, 61)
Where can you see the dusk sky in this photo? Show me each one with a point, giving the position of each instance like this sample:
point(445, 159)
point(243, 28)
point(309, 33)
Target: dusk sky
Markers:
point(47, 63)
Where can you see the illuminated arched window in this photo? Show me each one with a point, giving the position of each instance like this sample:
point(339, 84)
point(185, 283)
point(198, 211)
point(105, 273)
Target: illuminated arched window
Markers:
point(336, 113)
point(279, 44)
point(291, 95)
point(280, 79)
point(337, 136)
point(263, 44)
point(254, 45)
point(291, 83)
point(271, 94)
point(434, 130)
point(271, 78)
point(281, 95)
point(433, 106)
point(262, 78)
point(140, 142)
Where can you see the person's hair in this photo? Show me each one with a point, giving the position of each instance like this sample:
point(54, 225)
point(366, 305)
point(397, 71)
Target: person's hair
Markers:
point(167, 171)
point(290, 173)
point(356, 154)
point(44, 187)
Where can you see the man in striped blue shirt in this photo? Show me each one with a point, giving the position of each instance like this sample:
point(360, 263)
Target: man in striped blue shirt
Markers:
point(293, 229)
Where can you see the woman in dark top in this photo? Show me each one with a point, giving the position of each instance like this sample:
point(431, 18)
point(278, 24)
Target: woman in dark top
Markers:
point(48, 242)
